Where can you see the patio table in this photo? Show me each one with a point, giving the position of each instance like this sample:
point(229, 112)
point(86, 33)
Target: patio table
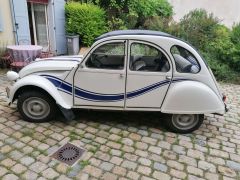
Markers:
point(24, 52)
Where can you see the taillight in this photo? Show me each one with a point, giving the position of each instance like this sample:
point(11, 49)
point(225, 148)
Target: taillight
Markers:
point(224, 98)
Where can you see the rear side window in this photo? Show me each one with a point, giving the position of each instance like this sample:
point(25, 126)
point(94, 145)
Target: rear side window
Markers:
point(185, 61)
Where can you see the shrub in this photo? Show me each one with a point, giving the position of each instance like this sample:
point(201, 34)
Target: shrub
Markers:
point(86, 20)
point(144, 9)
point(198, 28)
point(235, 37)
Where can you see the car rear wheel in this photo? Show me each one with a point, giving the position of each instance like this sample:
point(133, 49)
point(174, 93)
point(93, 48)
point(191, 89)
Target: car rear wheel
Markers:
point(36, 106)
point(184, 123)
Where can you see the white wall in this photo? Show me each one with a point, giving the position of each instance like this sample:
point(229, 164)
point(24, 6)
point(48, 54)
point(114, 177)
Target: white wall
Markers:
point(228, 11)
point(6, 35)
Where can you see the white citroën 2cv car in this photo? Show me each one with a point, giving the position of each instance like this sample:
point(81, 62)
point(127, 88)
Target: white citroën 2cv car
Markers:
point(129, 70)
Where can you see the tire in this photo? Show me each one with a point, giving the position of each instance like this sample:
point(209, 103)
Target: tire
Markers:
point(36, 106)
point(184, 123)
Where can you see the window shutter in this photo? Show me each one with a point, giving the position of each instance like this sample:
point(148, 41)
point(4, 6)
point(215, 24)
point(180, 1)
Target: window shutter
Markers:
point(1, 22)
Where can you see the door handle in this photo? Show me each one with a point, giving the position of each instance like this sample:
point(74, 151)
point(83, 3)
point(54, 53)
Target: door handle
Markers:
point(168, 77)
point(121, 75)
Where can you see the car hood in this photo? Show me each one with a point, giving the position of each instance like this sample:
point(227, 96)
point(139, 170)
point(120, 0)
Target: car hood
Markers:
point(61, 63)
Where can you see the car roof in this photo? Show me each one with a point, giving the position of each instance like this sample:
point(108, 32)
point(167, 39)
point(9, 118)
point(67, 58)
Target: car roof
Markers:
point(133, 32)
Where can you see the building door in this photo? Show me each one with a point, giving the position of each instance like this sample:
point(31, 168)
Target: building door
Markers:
point(38, 21)
point(21, 21)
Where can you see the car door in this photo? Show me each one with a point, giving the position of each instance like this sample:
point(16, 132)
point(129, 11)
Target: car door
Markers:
point(149, 75)
point(100, 79)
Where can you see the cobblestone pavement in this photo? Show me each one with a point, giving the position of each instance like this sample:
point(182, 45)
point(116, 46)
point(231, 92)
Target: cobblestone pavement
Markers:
point(120, 145)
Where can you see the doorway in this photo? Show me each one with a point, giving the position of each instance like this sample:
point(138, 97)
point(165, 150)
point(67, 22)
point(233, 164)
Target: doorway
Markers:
point(38, 23)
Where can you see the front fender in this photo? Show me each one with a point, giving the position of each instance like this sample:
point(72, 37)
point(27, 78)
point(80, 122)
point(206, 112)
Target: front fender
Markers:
point(192, 97)
point(42, 83)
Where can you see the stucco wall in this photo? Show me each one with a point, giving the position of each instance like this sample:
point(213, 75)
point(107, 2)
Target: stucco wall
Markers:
point(6, 36)
point(227, 11)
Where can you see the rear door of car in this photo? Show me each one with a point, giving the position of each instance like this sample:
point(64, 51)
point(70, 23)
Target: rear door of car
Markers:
point(149, 74)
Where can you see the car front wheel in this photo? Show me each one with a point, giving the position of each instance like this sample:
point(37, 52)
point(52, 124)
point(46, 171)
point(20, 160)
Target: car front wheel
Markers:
point(184, 123)
point(36, 106)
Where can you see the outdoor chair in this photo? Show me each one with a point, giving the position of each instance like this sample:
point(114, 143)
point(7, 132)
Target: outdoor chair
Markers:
point(5, 60)
point(18, 64)
point(46, 54)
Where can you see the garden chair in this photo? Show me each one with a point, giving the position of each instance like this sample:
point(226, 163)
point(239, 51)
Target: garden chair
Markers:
point(18, 64)
point(5, 60)
point(46, 54)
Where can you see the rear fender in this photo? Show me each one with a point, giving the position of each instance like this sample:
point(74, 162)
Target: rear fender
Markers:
point(41, 83)
point(191, 97)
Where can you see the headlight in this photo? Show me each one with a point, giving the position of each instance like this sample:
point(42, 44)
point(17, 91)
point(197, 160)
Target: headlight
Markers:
point(12, 76)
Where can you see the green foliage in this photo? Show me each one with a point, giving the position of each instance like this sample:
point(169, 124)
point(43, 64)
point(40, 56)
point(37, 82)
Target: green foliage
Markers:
point(116, 24)
point(219, 45)
point(87, 20)
point(133, 13)
point(147, 8)
point(156, 23)
point(198, 28)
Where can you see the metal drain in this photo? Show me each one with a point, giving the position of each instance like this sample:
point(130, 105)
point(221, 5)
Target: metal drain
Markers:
point(68, 154)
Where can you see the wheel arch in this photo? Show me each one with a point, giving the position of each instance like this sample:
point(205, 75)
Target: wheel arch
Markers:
point(191, 97)
point(34, 82)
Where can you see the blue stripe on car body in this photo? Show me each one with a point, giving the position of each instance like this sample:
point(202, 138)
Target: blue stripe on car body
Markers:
point(98, 97)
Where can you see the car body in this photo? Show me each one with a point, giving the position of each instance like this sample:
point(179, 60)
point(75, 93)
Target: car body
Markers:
point(129, 70)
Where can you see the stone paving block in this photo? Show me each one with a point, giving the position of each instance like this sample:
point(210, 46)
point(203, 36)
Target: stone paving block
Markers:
point(116, 160)
point(3, 171)
point(207, 166)
point(129, 165)
point(38, 167)
point(160, 175)
point(50, 173)
point(178, 174)
point(160, 167)
point(29, 175)
point(8, 163)
point(119, 171)
point(106, 166)
point(133, 175)
point(108, 176)
point(10, 177)
point(93, 171)
point(18, 168)
point(144, 170)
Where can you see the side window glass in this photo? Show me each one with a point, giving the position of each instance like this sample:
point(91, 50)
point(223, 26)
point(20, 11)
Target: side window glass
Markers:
point(147, 58)
point(108, 56)
point(185, 61)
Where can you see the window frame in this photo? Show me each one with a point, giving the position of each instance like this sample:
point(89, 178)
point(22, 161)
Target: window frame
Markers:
point(200, 68)
point(151, 45)
point(86, 58)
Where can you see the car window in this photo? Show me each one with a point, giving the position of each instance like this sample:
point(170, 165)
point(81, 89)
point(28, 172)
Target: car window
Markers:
point(147, 58)
point(108, 56)
point(185, 61)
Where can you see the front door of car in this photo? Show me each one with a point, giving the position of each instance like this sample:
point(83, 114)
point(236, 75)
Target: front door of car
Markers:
point(149, 75)
point(100, 79)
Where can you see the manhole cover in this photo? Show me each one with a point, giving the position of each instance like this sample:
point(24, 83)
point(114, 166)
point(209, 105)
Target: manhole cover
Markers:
point(68, 154)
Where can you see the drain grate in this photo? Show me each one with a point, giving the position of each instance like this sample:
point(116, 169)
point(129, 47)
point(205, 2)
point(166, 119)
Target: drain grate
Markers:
point(68, 154)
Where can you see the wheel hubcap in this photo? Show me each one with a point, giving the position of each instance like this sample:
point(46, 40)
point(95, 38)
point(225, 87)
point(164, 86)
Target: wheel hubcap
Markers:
point(36, 108)
point(184, 121)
